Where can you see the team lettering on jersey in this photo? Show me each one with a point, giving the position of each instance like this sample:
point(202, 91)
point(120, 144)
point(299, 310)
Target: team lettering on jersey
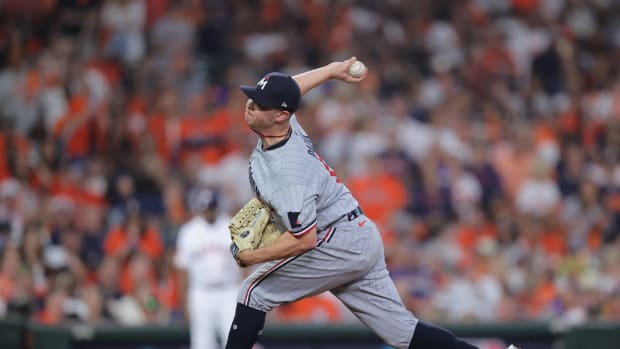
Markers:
point(308, 143)
point(310, 148)
point(252, 182)
point(210, 249)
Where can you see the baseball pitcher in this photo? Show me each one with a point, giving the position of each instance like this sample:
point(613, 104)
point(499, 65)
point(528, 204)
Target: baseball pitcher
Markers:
point(327, 244)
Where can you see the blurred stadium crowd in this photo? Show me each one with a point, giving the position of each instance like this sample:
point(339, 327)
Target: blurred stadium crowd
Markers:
point(485, 142)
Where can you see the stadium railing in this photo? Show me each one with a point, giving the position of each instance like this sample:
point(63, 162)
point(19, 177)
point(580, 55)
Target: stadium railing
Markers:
point(19, 333)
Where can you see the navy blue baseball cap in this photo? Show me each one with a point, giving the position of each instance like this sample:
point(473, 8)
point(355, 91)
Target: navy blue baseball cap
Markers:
point(204, 199)
point(275, 90)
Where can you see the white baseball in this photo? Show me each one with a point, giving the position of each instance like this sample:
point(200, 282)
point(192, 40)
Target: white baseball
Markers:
point(357, 69)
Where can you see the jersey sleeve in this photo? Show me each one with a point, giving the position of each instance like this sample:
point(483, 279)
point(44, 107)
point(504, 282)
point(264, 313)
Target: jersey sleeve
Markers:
point(296, 207)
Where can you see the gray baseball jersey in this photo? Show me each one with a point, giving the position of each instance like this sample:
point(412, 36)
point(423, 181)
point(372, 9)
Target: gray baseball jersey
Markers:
point(348, 258)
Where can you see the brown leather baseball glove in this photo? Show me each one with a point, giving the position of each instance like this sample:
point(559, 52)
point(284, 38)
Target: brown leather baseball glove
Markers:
point(252, 227)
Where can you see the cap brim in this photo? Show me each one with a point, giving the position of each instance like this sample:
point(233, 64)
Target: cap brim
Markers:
point(252, 93)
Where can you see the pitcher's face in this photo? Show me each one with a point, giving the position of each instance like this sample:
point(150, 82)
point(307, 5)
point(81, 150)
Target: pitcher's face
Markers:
point(259, 117)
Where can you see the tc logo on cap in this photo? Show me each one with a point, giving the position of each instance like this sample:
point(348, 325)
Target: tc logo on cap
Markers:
point(263, 82)
point(275, 90)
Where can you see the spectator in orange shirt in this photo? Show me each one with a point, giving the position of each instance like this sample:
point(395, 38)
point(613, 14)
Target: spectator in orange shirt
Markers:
point(132, 237)
point(379, 193)
point(203, 133)
point(164, 126)
point(473, 229)
point(81, 130)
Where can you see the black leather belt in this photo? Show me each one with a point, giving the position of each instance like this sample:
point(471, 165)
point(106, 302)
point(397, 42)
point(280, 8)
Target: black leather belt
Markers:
point(355, 213)
point(349, 216)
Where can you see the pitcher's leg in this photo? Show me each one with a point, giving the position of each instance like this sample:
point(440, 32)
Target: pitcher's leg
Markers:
point(246, 328)
point(284, 281)
point(288, 280)
point(376, 302)
point(430, 336)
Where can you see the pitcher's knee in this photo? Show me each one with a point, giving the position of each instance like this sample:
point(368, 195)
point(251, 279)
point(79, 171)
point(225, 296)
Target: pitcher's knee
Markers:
point(252, 296)
point(400, 336)
point(399, 343)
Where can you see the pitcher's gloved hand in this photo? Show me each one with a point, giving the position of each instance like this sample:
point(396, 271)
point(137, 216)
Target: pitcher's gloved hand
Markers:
point(252, 227)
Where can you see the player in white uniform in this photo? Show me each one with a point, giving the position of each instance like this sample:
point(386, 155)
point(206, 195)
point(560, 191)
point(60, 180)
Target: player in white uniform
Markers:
point(210, 277)
point(330, 245)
